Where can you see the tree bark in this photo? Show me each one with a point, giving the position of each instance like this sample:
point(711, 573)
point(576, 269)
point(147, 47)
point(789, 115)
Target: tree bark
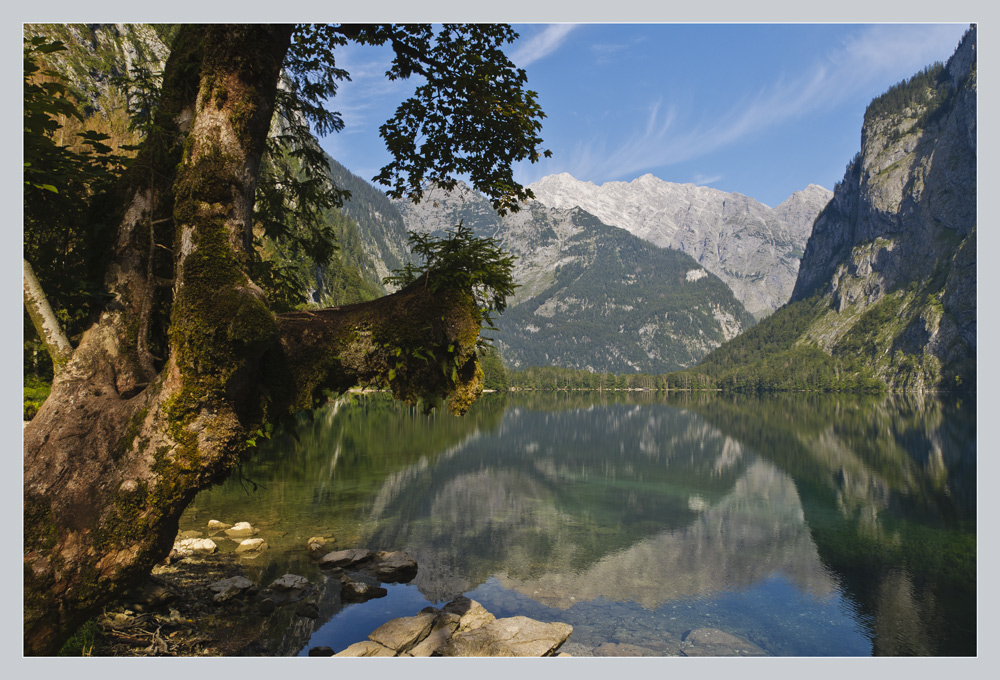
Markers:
point(125, 441)
point(117, 450)
point(44, 320)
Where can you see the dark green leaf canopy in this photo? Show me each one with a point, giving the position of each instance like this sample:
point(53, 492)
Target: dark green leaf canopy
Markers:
point(471, 115)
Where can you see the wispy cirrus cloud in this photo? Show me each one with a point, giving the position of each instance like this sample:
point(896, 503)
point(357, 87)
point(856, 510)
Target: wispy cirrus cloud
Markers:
point(705, 180)
point(541, 45)
point(867, 61)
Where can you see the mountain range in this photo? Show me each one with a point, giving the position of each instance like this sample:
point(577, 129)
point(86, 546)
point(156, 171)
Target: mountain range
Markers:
point(753, 248)
point(591, 296)
point(652, 276)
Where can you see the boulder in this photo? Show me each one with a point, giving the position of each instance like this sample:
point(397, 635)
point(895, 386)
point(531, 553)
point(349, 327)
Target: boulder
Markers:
point(229, 588)
point(195, 546)
point(715, 642)
point(395, 567)
point(471, 613)
point(353, 590)
point(321, 650)
point(514, 636)
point(404, 633)
point(251, 545)
point(215, 526)
point(290, 582)
point(366, 648)
point(241, 530)
point(289, 588)
point(346, 558)
point(444, 627)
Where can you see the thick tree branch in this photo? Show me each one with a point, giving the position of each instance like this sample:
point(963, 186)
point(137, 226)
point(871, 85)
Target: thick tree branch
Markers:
point(421, 345)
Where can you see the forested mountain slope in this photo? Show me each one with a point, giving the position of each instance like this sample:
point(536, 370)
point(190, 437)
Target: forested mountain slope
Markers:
point(592, 296)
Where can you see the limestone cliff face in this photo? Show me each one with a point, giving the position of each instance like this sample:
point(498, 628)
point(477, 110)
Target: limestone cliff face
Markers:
point(894, 252)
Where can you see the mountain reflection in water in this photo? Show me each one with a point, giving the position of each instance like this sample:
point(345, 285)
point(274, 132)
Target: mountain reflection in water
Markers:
point(811, 525)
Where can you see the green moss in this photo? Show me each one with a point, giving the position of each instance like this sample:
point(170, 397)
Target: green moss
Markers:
point(131, 432)
point(40, 532)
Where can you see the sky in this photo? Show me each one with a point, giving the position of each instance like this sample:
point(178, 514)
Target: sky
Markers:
point(759, 109)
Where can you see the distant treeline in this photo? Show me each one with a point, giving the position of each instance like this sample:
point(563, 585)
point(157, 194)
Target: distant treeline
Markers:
point(766, 358)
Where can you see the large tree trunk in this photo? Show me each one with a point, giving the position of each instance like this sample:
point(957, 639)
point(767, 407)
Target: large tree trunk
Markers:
point(126, 438)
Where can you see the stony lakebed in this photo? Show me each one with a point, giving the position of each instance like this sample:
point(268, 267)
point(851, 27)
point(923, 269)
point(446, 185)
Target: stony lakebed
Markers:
point(209, 598)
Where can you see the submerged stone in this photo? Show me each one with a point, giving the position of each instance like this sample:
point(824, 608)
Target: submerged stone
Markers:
point(715, 642)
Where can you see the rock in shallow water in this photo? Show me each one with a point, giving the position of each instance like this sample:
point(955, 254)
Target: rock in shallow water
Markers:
point(241, 530)
point(346, 558)
point(715, 642)
point(195, 546)
point(251, 545)
point(229, 588)
point(404, 633)
point(395, 567)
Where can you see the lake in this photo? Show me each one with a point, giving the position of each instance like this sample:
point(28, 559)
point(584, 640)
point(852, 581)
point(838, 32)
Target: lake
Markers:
point(808, 524)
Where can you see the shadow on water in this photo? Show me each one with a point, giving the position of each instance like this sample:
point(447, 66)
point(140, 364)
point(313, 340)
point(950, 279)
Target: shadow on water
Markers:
point(809, 524)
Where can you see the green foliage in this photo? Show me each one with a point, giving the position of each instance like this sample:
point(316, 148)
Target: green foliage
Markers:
point(381, 232)
point(624, 305)
point(471, 116)
point(461, 261)
point(36, 391)
point(494, 372)
point(66, 245)
point(88, 640)
point(921, 89)
point(770, 357)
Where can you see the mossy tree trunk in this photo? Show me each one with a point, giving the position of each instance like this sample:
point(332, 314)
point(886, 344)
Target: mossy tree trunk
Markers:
point(127, 438)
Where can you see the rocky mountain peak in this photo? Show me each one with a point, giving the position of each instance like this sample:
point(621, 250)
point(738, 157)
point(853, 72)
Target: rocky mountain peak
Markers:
point(753, 248)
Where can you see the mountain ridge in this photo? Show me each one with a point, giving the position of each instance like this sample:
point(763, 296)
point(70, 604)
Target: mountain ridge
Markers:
point(752, 247)
point(591, 296)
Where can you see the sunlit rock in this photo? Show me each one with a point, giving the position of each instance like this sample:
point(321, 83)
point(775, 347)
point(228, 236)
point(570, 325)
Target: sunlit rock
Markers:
point(195, 546)
point(251, 545)
point(514, 636)
point(241, 530)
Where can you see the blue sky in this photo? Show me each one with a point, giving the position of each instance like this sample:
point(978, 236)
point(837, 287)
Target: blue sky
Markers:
point(761, 109)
